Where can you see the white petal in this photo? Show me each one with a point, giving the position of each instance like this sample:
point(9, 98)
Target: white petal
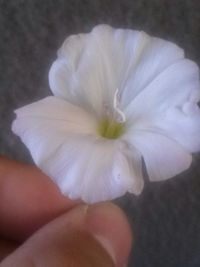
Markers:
point(61, 78)
point(181, 124)
point(92, 67)
point(118, 170)
point(63, 143)
point(168, 105)
point(72, 49)
point(134, 160)
point(89, 169)
point(45, 125)
point(106, 174)
point(164, 158)
point(155, 55)
point(176, 85)
point(64, 79)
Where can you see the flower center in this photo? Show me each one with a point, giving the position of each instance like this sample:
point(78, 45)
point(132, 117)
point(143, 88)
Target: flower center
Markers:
point(113, 126)
point(111, 129)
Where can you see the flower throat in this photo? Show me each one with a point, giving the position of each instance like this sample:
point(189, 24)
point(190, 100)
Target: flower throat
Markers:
point(114, 126)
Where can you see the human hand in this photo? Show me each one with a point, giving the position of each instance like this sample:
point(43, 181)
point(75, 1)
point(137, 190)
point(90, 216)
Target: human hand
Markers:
point(51, 230)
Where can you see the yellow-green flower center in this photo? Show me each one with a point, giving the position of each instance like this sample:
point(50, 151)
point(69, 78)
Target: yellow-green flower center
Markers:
point(111, 129)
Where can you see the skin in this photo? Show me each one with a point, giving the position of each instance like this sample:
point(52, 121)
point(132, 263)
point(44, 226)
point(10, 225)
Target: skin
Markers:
point(40, 227)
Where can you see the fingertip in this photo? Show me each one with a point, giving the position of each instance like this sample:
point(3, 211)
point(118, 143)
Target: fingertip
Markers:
point(109, 225)
point(97, 235)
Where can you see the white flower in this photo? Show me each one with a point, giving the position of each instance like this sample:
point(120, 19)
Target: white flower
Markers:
point(119, 95)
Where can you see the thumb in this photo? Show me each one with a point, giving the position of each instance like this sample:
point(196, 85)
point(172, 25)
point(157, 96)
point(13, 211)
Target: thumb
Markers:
point(97, 235)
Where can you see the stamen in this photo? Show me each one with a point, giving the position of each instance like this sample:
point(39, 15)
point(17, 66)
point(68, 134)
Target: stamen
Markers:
point(116, 104)
point(112, 126)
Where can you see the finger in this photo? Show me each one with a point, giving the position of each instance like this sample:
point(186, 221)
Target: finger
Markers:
point(6, 248)
point(28, 199)
point(96, 236)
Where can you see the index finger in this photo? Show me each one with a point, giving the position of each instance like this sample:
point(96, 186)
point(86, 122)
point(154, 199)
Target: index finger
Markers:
point(28, 199)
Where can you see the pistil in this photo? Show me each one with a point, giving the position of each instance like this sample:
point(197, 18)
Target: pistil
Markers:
point(114, 126)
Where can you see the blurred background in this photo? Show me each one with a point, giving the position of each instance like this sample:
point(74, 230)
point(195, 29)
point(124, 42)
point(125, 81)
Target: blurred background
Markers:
point(166, 217)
